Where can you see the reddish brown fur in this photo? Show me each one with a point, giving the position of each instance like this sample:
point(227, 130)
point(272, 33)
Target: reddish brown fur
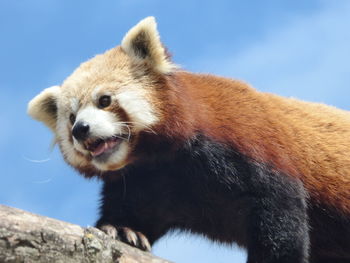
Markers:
point(305, 140)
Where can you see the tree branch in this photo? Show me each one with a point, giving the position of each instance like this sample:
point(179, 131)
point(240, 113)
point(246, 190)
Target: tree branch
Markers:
point(26, 237)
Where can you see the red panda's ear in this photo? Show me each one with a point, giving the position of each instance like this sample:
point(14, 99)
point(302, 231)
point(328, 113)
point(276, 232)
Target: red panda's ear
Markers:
point(43, 107)
point(142, 44)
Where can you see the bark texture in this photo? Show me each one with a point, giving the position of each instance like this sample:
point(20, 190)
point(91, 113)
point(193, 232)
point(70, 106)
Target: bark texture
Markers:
point(26, 237)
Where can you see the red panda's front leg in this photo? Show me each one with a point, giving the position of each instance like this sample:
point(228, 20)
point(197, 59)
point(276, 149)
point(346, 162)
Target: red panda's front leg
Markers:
point(115, 218)
point(127, 214)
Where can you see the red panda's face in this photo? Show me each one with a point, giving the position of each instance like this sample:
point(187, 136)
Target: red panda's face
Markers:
point(99, 111)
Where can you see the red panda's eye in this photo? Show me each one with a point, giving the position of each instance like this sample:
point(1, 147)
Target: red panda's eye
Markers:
point(104, 101)
point(72, 118)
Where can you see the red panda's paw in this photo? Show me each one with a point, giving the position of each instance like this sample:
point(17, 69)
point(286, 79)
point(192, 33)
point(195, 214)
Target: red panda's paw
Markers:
point(127, 235)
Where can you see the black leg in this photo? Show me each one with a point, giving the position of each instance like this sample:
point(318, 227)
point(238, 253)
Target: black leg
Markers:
point(278, 222)
point(278, 238)
point(126, 217)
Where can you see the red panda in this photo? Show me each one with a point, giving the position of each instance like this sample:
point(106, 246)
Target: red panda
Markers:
point(205, 154)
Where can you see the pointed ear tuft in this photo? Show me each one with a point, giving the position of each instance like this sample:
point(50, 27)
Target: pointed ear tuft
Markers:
point(142, 44)
point(44, 107)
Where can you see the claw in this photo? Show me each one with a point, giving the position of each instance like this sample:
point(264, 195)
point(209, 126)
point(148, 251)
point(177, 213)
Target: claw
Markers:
point(144, 242)
point(110, 231)
point(127, 235)
point(130, 236)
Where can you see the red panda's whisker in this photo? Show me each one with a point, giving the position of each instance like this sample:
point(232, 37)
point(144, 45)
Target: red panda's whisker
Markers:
point(121, 137)
point(129, 130)
point(141, 124)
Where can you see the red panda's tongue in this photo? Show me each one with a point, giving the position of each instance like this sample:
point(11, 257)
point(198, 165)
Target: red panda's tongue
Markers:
point(101, 148)
point(104, 146)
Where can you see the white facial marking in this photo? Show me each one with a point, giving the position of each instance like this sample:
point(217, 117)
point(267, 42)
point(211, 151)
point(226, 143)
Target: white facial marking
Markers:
point(102, 123)
point(137, 107)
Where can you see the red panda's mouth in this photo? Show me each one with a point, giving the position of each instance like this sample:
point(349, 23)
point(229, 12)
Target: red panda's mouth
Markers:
point(98, 147)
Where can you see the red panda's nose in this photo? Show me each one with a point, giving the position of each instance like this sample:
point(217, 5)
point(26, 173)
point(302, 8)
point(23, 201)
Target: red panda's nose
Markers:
point(81, 130)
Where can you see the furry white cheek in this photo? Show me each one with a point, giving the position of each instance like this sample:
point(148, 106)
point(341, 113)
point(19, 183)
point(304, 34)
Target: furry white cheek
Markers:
point(138, 108)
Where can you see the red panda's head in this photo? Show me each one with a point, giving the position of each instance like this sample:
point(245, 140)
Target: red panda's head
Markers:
point(99, 111)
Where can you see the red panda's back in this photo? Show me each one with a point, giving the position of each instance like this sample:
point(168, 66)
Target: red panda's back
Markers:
point(302, 139)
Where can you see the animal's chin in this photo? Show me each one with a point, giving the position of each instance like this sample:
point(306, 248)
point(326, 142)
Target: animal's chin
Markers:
point(108, 154)
point(111, 155)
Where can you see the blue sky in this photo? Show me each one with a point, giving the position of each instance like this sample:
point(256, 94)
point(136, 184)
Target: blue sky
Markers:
point(292, 48)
